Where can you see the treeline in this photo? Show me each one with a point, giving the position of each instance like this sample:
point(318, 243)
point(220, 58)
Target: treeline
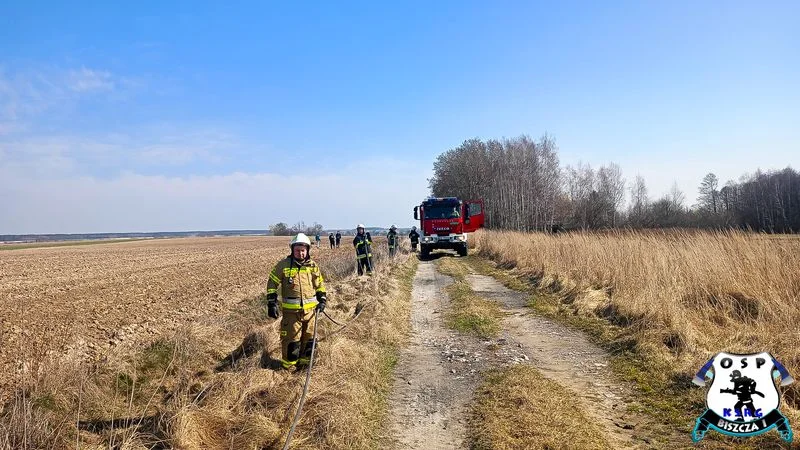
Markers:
point(525, 188)
point(282, 229)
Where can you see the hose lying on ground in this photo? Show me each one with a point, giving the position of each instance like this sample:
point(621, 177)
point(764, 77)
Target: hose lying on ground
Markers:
point(305, 386)
point(359, 309)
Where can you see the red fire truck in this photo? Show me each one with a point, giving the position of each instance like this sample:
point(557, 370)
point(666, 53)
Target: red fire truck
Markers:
point(445, 221)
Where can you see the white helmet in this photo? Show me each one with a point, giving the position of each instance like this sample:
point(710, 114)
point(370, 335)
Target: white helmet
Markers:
point(301, 238)
point(361, 225)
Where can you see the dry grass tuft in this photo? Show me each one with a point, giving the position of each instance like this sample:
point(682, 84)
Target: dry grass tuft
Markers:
point(517, 408)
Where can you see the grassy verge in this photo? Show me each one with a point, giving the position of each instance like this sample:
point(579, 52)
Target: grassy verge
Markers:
point(517, 407)
point(674, 401)
point(654, 344)
point(210, 385)
point(468, 312)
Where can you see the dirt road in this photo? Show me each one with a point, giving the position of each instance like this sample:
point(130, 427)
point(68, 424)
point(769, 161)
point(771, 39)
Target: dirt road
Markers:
point(439, 370)
point(432, 389)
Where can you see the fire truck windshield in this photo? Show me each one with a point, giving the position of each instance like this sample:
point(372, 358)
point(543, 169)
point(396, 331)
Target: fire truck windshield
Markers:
point(442, 212)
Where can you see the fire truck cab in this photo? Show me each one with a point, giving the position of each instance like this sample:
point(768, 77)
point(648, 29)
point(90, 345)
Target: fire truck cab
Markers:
point(445, 221)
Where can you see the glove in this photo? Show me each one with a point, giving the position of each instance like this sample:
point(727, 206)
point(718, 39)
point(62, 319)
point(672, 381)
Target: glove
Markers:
point(322, 299)
point(272, 305)
point(272, 309)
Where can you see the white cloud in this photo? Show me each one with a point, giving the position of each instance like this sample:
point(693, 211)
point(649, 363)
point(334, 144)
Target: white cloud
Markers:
point(373, 192)
point(181, 148)
point(47, 155)
point(26, 94)
point(87, 80)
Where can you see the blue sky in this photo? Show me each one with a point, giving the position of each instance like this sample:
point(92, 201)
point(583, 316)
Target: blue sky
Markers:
point(191, 116)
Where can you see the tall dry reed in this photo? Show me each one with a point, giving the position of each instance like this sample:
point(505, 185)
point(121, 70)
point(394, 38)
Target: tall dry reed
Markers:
point(684, 294)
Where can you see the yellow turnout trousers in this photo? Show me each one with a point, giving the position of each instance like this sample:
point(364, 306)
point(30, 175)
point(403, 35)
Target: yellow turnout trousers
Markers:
point(297, 329)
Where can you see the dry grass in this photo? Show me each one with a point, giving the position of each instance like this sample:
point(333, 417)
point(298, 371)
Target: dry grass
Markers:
point(517, 407)
point(203, 386)
point(676, 297)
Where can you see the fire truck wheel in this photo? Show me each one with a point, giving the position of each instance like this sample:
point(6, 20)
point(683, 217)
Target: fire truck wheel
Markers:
point(463, 250)
point(424, 252)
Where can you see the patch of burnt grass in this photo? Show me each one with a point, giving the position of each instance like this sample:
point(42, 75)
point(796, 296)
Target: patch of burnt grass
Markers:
point(517, 407)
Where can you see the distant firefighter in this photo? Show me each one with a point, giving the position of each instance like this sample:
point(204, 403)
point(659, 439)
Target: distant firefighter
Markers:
point(363, 244)
point(414, 237)
point(391, 237)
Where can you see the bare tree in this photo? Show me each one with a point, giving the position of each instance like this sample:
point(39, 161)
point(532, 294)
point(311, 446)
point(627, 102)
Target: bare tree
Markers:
point(524, 188)
point(611, 187)
point(709, 195)
point(676, 197)
point(639, 202)
point(518, 178)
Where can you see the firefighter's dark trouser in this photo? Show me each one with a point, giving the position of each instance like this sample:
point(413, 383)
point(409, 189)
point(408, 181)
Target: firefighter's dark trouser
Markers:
point(297, 329)
point(364, 262)
point(332, 244)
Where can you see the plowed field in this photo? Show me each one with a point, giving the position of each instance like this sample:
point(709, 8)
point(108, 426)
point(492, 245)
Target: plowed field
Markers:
point(87, 299)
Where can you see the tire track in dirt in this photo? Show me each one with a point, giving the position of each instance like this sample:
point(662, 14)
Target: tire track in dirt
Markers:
point(567, 357)
point(430, 395)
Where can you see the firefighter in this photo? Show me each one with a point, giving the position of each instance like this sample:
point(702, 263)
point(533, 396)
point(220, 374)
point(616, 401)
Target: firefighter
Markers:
point(338, 238)
point(391, 237)
point(303, 294)
point(743, 387)
point(414, 237)
point(332, 239)
point(317, 239)
point(363, 244)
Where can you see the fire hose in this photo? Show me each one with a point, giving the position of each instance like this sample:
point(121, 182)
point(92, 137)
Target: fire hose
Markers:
point(305, 387)
point(359, 309)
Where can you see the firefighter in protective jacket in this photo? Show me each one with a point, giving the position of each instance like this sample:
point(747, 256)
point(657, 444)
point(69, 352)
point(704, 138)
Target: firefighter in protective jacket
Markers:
point(414, 237)
point(302, 291)
point(391, 237)
point(363, 244)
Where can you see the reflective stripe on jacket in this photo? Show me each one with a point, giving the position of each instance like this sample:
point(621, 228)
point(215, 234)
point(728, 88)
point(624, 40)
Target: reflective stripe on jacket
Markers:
point(296, 279)
point(298, 304)
point(361, 242)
